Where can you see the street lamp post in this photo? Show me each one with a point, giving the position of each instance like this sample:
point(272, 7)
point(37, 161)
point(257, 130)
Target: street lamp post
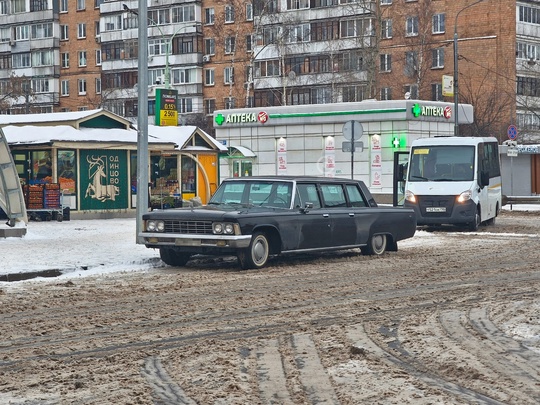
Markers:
point(456, 87)
point(142, 122)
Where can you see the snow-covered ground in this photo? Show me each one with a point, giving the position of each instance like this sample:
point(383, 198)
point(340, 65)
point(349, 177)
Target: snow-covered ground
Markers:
point(79, 248)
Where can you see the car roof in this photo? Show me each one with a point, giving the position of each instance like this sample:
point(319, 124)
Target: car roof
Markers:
point(294, 178)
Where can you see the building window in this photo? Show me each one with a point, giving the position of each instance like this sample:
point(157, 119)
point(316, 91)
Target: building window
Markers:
point(40, 85)
point(250, 40)
point(22, 32)
point(64, 36)
point(81, 30)
point(4, 8)
point(411, 63)
point(38, 5)
point(412, 26)
point(353, 93)
point(412, 90)
point(97, 29)
point(81, 4)
point(228, 75)
point(21, 60)
point(209, 106)
point(229, 103)
point(386, 93)
point(158, 47)
point(299, 33)
point(82, 87)
point(98, 85)
point(297, 4)
point(183, 14)
point(209, 16)
point(438, 58)
point(386, 29)
point(386, 1)
point(209, 46)
point(114, 22)
point(82, 58)
point(267, 68)
point(98, 57)
point(183, 76)
point(438, 23)
point(42, 58)
point(97, 3)
point(159, 17)
point(63, 6)
point(64, 88)
point(436, 92)
point(386, 63)
point(230, 43)
point(249, 12)
point(185, 105)
point(529, 14)
point(209, 77)
point(64, 58)
point(229, 14)
point(18, 6)
point(42, 31)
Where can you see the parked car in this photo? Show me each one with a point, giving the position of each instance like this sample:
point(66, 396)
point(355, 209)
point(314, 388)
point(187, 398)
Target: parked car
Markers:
point(256, 217)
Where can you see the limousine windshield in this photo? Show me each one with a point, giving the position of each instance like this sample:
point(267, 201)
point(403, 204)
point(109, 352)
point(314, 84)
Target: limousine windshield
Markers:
point(254, 193)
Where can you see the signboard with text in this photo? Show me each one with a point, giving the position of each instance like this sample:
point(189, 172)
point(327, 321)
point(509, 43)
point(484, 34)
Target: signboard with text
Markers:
point(166, 107)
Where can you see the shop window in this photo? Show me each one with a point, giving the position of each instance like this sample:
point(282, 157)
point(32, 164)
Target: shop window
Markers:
point(41, 167)
point(164, 175)
point(188, 175)
point(242, 168)
point(67, 171)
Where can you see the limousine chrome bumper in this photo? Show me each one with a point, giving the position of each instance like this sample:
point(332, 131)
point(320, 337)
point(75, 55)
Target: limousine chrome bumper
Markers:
point(157, 239)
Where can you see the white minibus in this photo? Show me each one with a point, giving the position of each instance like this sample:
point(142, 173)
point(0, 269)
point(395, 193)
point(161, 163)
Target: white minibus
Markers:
point(454, 180)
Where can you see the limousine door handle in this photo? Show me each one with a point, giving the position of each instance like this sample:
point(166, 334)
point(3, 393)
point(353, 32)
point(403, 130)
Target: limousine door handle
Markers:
point(325, 215)
point(351, 214)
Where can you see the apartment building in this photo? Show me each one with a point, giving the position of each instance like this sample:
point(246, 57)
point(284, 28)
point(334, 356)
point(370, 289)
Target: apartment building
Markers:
point(80, 55)
point(29, 54)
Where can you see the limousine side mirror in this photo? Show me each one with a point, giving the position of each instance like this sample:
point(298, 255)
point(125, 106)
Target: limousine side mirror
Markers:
point(307, 207)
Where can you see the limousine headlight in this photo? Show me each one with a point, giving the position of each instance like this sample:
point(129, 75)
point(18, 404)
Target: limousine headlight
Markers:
point(155, 225)
point(225, 228)
point(465, 196)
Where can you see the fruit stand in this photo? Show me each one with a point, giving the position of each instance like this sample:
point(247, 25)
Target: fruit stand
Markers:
point(44, 201)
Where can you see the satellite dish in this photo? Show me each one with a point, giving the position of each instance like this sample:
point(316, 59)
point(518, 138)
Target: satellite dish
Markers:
point(292, 75)
point(136, 87)
point(407, 95)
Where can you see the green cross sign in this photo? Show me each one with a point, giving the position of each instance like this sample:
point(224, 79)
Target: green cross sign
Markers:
point(416, 110)
point(219, 119)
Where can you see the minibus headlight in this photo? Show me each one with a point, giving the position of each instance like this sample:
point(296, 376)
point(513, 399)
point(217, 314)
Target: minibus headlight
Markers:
point(409, 196)
point(465, 196)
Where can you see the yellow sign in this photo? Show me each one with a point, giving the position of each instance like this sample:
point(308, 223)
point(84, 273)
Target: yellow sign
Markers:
point(168, 117)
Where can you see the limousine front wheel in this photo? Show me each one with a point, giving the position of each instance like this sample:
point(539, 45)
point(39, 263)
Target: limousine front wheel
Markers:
point(256, 255)
point(376, 245)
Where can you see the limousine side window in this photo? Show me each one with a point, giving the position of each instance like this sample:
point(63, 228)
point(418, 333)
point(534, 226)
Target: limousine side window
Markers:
point(355, 196)
point(306, 193)
point(333, 195)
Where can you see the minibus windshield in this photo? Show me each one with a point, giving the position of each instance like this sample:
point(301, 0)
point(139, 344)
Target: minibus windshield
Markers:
point(442, 163)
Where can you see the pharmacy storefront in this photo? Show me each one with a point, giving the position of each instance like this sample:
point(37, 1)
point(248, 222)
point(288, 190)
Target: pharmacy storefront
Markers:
point(357, 140)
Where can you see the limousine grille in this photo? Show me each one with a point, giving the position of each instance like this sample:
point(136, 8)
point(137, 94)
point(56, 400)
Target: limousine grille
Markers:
point(189, 227)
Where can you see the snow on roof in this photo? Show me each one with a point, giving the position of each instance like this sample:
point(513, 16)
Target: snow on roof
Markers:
point(29, 134)
point(50, 117)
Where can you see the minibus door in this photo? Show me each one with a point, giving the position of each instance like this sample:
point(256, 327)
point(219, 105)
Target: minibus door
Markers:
point(401, 161)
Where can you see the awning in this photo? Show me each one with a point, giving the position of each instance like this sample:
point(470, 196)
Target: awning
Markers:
point(240, 151)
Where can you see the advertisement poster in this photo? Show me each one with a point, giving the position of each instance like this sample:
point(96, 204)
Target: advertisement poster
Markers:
point(103, 179)
point(282, 156)
point(329, 157)
point(376, 161)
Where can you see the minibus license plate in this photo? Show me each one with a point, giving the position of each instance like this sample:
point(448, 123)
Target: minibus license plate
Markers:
point(435, 209)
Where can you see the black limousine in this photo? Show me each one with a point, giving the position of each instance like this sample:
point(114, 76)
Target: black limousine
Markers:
point(256, 217)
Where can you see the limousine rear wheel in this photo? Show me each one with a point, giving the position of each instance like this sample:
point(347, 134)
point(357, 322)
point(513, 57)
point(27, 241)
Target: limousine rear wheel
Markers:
point(376, 245)
point(256, 255)
point(173, 258)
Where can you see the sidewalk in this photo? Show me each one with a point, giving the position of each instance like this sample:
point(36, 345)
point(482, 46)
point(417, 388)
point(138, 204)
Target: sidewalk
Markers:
point(51, 248)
